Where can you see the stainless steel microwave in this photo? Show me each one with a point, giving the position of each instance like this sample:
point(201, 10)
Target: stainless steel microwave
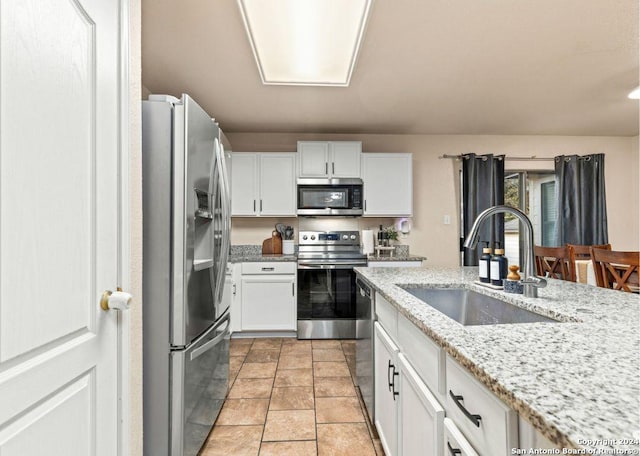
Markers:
point(330, 197)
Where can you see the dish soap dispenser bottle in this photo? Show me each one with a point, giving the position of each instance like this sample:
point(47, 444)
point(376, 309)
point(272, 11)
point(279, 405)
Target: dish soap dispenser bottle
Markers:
point(498, 271)
point(484, 264)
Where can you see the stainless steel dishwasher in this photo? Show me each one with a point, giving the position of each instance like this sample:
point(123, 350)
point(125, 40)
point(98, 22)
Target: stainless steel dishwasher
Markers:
point(365, 316)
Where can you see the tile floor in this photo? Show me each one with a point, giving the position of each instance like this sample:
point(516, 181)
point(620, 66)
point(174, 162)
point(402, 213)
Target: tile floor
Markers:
point(292, 397)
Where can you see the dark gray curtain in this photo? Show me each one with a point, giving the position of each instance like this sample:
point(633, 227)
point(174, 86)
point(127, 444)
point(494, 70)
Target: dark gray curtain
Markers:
point(582, 203)
point(482, 187)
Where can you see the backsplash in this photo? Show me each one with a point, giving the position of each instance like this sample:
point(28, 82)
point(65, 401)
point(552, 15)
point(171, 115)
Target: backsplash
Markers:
point(254, 249)
point(254, 230)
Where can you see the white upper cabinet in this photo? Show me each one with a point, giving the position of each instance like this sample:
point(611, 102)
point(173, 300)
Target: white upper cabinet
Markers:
point(345, 158)
point(278, 184)
point(327, 159)
point(388, 185)
point(244, 184)
point(263, 184)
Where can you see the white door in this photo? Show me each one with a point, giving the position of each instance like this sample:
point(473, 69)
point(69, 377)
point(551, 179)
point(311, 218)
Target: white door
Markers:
point(59, 238)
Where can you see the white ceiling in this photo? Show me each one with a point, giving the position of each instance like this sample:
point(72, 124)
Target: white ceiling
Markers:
point(543, 67)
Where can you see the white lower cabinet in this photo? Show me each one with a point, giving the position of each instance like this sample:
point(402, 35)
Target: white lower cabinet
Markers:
point(268, 297)
point(409, 419)
point(420, 415)
point(386, 385)
point(417, 385)
point(232, 294)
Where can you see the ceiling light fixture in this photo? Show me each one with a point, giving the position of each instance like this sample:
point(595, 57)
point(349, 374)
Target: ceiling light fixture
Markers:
point(305, 42)
point(635, 94)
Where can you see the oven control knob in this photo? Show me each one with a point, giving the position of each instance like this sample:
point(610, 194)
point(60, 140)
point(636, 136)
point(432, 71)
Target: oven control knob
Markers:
point(313, 237)
point(345, 237)
point(304, 237)
point(353, 237)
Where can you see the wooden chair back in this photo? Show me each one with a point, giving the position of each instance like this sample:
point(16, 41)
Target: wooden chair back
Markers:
point(583, 252)
point(555, 262)
point(616, 270)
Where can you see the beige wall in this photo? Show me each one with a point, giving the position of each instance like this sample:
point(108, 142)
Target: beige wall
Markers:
point(435, 181)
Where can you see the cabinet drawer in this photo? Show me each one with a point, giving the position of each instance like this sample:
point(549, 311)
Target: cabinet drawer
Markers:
point(495, 430)
point(275, 267)
point(454, 440)
point(387, 316)
point(424, 354)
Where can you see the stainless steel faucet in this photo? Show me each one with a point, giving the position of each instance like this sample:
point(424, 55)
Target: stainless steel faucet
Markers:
point(531, 281)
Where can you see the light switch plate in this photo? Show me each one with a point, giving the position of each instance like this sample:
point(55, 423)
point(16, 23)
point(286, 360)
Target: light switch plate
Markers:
point(447, 220)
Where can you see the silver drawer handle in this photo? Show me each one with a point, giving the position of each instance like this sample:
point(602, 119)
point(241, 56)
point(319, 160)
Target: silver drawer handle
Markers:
point(268, 269)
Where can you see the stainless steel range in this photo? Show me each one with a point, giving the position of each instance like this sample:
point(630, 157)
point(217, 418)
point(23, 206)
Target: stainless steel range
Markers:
point(327, 283)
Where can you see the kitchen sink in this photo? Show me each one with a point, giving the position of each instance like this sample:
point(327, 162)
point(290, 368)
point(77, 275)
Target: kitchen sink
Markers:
point(470, 308)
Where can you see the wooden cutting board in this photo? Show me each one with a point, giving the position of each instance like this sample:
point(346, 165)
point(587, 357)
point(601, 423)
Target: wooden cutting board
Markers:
point(272, 245)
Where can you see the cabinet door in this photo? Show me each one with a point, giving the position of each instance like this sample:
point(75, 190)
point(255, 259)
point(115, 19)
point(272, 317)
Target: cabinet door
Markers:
point(386, 384)
point(278, 184)
point(268, 303)
point(244, 184)
point(420, 415)
point(388, 185)
point(313, 157)
point(345, 159)
point(235, 302)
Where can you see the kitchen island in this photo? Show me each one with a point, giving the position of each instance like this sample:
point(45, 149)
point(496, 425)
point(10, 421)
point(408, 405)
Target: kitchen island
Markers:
point(575, 381)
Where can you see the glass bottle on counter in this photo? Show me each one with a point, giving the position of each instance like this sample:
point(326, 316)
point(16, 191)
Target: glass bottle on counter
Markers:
point(484, 263)
point(498, 271)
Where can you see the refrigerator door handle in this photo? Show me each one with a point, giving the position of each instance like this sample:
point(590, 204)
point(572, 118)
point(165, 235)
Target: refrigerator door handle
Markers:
point(225, 222)
point(212, 343)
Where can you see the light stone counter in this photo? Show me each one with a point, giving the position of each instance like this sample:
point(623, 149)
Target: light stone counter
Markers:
point(253, 253)
point(574, 381)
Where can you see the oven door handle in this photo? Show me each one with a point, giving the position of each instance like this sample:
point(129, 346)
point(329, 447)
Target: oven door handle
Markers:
point(330, 266)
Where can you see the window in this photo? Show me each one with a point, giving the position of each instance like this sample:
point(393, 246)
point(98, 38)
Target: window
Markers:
point(548, 213)
point(533, 192)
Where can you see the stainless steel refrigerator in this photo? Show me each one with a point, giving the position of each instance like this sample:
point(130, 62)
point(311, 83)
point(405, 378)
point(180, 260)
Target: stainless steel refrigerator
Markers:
point(186, 225)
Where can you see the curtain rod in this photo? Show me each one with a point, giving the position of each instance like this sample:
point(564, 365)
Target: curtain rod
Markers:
point(532, 158)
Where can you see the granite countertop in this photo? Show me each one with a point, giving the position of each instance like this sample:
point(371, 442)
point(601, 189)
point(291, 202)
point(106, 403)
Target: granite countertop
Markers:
point(400, 253)
point(406, 257)
point(253, 253)
point(575, 381)
point(258, 258)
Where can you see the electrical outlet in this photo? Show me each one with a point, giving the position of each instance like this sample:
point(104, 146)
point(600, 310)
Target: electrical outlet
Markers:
point(447, 220)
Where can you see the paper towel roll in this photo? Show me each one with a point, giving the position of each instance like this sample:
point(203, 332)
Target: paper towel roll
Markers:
point(367, 241)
